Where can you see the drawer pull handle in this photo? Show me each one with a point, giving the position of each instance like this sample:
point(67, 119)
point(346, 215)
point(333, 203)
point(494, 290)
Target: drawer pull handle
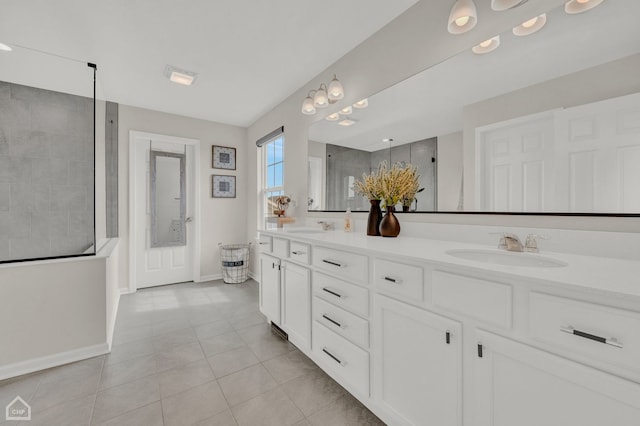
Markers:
point(331, 320)
point(335, 358)
point(393, 280)
point(331, 292)
point(612, 342)
point(480, 351)
point(447, 337)
point(297, 253)
point(331, 262)
point(263, 243)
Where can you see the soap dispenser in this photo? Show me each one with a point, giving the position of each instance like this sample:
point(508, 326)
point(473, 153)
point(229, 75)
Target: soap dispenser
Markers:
point(348, 221)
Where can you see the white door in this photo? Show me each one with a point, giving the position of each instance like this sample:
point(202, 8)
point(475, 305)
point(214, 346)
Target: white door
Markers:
point(153, 265)
point(417, 365)
point(296, 301)
point(516, 384)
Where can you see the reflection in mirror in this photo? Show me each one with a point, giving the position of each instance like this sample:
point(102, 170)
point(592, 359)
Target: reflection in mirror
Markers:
point(167, 199)
point(546, 123)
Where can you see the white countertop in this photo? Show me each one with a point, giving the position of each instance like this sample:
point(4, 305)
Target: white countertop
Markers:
point(587, 272)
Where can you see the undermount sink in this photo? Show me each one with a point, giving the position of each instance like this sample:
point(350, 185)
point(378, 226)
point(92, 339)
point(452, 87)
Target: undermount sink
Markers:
point(304, 231)
point(506, 258)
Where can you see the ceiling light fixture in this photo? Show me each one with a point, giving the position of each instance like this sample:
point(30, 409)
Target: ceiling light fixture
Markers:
point(322, 97)
point(531, 26)
point(5, 47)
point(579, 6)
point(180, 76)
point(333, 117)
point(463, 17)
point(346, 110)
point(347, 122)
point(363, 103)
point(487, 46)
point(500, 5)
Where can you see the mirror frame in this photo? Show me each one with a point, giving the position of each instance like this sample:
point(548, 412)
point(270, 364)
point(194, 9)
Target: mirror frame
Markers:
point(154, 243)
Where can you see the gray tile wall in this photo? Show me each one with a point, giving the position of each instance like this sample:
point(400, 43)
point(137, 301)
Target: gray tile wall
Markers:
point(46, 173)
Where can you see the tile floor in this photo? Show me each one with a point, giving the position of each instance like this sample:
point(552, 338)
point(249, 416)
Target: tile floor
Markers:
point(189, 354)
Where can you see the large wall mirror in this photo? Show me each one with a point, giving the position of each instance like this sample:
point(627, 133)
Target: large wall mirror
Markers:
point(545, 123)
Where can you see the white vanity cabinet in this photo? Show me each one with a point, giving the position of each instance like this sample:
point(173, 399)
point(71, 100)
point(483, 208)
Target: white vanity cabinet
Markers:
point(270, 287)
point(516, 384)
point(296, 304)
point(417, 373)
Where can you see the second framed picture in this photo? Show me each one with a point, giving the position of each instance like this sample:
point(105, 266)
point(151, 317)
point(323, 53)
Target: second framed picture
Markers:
point(223, 157)
point(223, 186)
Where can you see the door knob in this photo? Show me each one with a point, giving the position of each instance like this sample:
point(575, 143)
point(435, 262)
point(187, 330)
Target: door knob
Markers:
point(188, 220)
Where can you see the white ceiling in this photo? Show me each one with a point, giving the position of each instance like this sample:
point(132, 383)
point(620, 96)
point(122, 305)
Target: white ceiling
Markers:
point(431, 103)
point(250, 54)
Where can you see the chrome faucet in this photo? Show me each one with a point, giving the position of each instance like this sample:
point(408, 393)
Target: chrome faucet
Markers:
point(325, 225)
point(509, 242)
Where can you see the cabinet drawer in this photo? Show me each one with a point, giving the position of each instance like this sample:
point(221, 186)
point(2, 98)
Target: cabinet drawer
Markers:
point(265, 242)
point(348, 296)
point(485, 300)
point(349, 326)
point(598, 332)
point(398, 279)
point(342, 358)
point(300, 252)
point(281, 247)
point(347, 265)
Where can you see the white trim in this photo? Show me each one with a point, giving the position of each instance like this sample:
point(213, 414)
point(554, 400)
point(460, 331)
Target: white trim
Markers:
point(254, 277)
point(126, 290)
point(133, 136)
point(112, 327)
point(204, 278)
point(42, 363)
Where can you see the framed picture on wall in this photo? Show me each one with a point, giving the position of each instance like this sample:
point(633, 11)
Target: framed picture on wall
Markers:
point(223, 157)
point(223, 186)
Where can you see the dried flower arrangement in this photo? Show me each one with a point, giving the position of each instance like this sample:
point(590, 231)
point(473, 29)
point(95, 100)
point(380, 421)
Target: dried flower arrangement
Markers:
point(398, 183)
point(369, 186)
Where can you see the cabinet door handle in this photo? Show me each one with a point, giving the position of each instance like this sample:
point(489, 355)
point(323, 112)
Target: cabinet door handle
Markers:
point(612, 342)
point(447, 337)
point(480, 351)
point(331, 292)
point(393, 280)
point(263, 243)
point(297, 253)
point(335, 358)
point(331, 262)
point(325, 316)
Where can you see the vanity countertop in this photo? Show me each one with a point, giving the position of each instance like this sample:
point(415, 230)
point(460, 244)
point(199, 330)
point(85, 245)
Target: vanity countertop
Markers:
point(599, 274)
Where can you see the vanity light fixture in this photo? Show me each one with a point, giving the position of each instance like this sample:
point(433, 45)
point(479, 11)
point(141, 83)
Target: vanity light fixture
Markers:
point(347, 122)
point(322, 97)
point(463, 17)
point(333, 117)
point(362, 103)
point(5, 48)
point(531, 26)
point(487, 46)
point(180, 76)
point(578, 6)
point(500, 5)
point(346, 110)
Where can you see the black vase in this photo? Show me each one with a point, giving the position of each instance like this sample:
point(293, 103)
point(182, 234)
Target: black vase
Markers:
point(373, 221)
point(389, 226)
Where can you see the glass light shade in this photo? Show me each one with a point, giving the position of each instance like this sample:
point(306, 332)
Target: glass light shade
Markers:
point(531, 26)
point(307, 106)
point(336, 92)
point(487, 46)
point(362, 103)
point(346, 110)
point(346, 122)
point(333, 117)
point(463, 17)
point(579, 6)
point(320, 99)
point(500, 5)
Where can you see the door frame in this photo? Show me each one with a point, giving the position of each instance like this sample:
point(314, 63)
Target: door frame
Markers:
point(134, 136)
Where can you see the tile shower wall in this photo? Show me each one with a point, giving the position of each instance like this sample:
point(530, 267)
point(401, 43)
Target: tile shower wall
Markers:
point(46, 173)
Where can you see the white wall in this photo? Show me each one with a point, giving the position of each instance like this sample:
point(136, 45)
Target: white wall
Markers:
point(222, 220)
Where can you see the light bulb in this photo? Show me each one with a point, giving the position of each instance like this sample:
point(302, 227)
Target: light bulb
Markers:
point(463, 17)
point(346, 110)
point(333, 117)
point(582, 1)
point(363, 103)
point(530, 23)
point(462, 21)
point(486, 43)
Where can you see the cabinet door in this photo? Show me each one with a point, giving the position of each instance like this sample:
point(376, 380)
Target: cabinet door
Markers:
point(296, 304)
point(270, 288)
point(417, 364)
point(516, 384)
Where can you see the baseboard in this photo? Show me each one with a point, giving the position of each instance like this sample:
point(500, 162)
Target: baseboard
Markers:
point(42, 363)
point(254, 277)
point(112, 327)
point(126, 291)
point(213, 277)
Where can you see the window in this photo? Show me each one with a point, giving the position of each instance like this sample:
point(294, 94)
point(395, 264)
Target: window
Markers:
point(273, 177)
